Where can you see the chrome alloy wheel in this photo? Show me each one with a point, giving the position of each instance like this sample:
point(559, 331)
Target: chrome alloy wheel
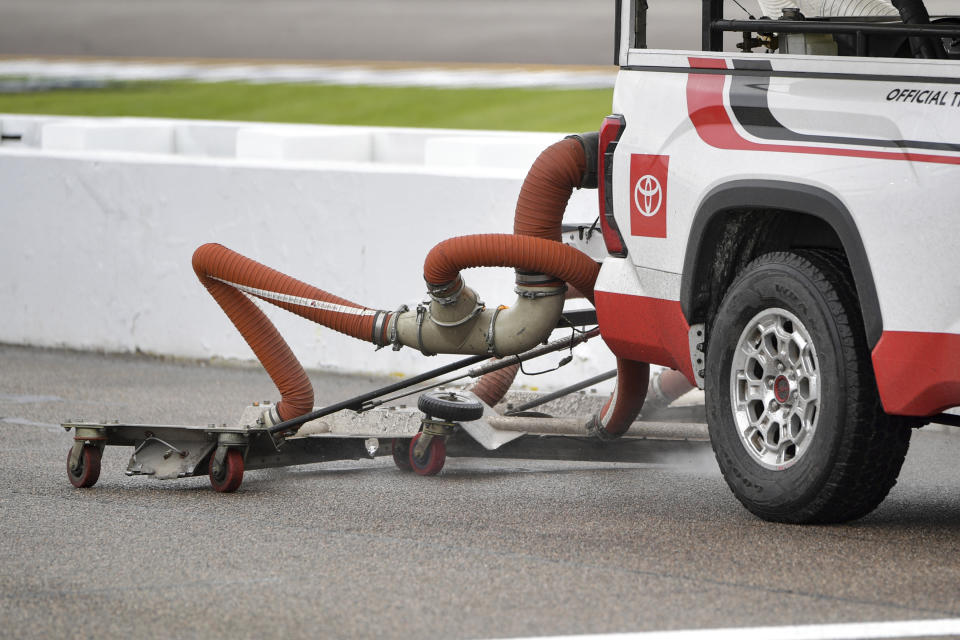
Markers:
point(775, 388)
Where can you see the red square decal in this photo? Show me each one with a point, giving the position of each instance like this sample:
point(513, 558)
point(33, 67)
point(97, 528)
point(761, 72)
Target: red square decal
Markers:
point(648, 195)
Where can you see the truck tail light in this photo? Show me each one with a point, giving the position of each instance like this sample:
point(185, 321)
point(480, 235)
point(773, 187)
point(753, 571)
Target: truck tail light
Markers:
point(610, 134)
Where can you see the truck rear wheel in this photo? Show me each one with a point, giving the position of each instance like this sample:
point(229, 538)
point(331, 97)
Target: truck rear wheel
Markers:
point(794, 416)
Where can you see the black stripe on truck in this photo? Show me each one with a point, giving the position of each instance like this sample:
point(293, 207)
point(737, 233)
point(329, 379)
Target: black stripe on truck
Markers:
point(749, 101)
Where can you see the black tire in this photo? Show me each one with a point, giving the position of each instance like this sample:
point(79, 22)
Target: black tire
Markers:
point(450, 405)
point(846, 452)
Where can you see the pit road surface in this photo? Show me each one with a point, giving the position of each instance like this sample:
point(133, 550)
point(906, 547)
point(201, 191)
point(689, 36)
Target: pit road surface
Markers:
point(359, 549)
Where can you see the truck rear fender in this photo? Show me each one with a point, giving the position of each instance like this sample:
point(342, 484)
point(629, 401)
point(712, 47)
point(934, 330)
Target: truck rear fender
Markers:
point(740, 220)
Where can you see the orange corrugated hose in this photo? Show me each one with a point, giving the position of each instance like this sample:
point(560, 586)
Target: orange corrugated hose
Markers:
point(624, 404)
point(540, 207)
point(543, 197)
point(227, 275)
point(491, 387)
point(556, 172)
point(231, 277)
point(445, 261)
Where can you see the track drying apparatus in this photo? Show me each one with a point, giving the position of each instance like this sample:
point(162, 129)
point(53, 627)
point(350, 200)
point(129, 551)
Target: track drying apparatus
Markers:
point(453, 320)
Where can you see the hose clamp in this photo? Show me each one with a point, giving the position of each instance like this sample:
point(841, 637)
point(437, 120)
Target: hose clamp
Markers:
point(392, 333)
point(274, 415)
point(477, 310)
point(448, 299)
point(421, 314)
point(378, 325)
point(596, 429)
point(534, 279)
point(491, 332)
point(533, 295)
point(269, 418)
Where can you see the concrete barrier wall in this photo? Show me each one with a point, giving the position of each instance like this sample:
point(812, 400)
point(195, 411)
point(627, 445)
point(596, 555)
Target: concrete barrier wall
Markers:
point(101, 217)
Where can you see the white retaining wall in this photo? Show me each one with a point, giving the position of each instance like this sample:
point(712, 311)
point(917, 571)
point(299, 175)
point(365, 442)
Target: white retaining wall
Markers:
point(101, 216)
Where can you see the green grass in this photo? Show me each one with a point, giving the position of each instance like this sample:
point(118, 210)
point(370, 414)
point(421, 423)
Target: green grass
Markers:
point(508, 109)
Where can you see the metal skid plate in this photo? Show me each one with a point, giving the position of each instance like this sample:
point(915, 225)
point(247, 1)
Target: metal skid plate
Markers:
point(161, 451)
point(169, 453)
point(484, 433)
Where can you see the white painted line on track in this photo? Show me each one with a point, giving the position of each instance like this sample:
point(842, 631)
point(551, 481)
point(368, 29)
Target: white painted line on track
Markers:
point(426, 76)
point(846, 631)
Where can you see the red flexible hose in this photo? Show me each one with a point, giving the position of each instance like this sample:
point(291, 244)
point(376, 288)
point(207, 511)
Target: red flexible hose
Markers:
point(540, 207)
point(624, 404)
point(494, 385)
point(227, 275)
point(445, 261)
point(556, 172)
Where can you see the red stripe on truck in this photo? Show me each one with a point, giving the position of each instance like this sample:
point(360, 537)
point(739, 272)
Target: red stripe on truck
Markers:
point(710, 117)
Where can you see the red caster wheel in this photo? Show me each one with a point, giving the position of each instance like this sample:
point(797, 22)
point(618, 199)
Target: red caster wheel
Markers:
point(230, 474)
point(87, 471)
point(400, 447)
point(432, 460)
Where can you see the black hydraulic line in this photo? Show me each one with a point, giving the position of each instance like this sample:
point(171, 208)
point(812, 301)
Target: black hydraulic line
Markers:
point(550, 347)
point(492, 365)
point(357, 401)
point(562, 392)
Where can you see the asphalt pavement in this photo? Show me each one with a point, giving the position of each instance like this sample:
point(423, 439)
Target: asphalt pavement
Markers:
point(489, 548)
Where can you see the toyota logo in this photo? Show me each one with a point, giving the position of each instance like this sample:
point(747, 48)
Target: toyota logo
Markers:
point(648, 196)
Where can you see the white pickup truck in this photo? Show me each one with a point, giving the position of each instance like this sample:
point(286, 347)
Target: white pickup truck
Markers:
point(781, 225)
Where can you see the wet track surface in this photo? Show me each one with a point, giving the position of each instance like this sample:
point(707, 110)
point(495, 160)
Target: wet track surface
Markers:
point(486, 549)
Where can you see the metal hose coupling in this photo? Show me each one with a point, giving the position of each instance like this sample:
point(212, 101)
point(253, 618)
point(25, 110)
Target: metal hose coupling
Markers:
point(269, 418)
point(465, 325)
point(447, 293)
point(596, 429)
